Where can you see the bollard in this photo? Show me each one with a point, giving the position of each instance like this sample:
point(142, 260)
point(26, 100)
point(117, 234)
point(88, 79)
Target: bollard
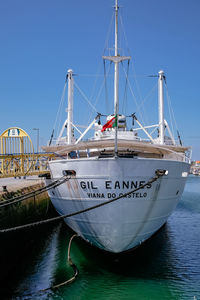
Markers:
point(4, 188)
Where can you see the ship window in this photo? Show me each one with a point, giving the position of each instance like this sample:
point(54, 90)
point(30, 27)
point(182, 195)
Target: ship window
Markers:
point(72, 154)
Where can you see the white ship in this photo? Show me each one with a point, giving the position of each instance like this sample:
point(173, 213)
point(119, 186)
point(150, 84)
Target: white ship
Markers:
point(112, 163)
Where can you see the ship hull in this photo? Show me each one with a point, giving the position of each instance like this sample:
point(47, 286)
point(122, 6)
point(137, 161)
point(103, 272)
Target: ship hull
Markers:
point(129, 221)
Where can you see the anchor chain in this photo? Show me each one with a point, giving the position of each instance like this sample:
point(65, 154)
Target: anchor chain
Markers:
point(159, 173)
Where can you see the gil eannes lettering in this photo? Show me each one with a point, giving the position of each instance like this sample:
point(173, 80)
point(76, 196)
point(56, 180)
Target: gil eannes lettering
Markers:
point(114, 185)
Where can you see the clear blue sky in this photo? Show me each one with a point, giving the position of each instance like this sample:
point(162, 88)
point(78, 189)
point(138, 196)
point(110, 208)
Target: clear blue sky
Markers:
point(41, 40)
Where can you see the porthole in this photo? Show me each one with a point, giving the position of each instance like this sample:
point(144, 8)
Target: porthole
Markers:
point(69, 173)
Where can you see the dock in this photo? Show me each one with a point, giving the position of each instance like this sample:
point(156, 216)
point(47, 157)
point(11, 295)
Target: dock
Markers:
point(11, 184)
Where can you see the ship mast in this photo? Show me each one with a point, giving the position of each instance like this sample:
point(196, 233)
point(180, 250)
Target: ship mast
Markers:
point(70, 105)
point(161, 107)
point(116, 59)
point(116, 80)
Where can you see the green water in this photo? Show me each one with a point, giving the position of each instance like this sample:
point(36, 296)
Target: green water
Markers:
point(165, 267)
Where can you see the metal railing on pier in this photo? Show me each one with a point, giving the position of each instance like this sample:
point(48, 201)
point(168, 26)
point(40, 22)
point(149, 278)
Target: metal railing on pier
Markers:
point(17, 157)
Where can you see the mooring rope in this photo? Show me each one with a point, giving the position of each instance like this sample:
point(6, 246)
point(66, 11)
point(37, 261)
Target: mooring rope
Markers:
point(70, 262)
point(69, 281)
point(33, 193)
point(159, 173)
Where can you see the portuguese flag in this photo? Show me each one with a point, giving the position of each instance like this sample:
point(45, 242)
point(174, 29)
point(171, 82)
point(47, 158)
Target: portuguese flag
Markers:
point(110, 124)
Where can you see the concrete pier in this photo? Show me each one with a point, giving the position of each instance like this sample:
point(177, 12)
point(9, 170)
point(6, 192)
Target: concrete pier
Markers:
point(12, 184)
point(31, 209)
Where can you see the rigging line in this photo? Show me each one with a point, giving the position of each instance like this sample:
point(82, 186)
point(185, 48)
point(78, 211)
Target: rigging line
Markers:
point(153, 130)
point(125, 90)
point(148, 95)
point(158, 173)
point(106, 42)
point(84, 96)
point(94, 88)
point(171, 111)
point(134, 97)
point(106, 88)
point(103, 84)
point(140, 96)
point(90, 75)
point(123, 30)
point(92, 95)
point(169, 105)
point(51, 138)
point(98, 96)
point(59, 112)
point(62, 98)
point(105, 46)
point(108, 34)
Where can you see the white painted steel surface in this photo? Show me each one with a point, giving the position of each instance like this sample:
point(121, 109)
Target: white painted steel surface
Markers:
point(127, 222)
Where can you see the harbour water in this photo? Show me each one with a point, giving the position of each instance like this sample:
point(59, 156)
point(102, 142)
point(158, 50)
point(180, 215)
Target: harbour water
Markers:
point(165, 267)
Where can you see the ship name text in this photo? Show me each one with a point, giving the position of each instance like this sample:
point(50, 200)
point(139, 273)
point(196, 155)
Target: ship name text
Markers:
point(114, 185)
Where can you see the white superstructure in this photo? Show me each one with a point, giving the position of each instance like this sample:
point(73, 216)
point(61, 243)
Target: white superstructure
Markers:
point(116, 161)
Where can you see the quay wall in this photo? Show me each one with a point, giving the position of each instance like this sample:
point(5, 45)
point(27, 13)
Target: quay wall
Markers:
point(29, 210)
point(18, 244)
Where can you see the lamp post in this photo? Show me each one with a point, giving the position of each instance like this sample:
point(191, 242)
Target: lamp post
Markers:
point(38, 135)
